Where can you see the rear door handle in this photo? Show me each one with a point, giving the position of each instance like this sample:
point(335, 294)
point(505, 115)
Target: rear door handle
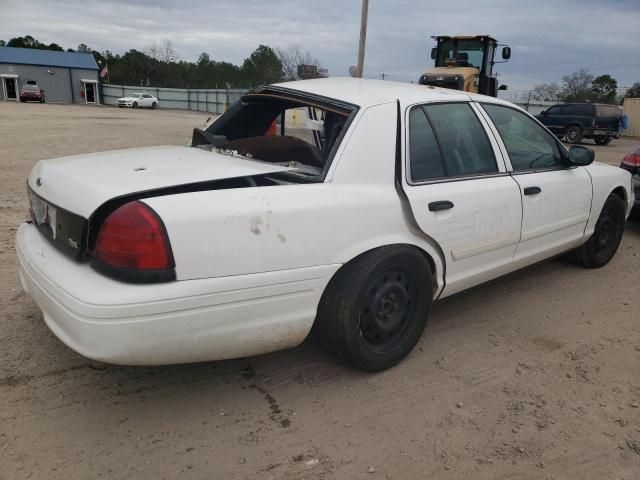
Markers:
point(532, 190)
point(440, 205)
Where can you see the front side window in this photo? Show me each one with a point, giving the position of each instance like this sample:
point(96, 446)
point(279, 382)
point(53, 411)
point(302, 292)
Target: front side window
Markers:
point(529, 146)
point(461, 53)
point(554, 110)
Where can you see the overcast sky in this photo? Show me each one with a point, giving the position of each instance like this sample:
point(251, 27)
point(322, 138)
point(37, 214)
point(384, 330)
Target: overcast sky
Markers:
point(548, 38)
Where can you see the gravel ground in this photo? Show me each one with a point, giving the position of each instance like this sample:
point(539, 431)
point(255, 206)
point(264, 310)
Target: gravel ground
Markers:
point(534, 375)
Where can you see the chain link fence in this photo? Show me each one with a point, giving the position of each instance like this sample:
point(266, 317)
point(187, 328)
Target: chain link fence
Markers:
point(213, 100)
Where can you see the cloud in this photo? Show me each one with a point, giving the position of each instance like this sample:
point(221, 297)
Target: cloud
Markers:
point(548, 38)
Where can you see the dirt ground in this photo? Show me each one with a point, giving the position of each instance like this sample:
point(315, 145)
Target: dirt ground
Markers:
point(533, 376)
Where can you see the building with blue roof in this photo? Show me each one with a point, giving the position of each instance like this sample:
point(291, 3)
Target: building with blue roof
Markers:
point(65, 77)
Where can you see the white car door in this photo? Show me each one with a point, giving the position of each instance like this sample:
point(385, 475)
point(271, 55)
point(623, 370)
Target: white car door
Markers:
point(460, 192)
point(556, 198)
point(145, 100)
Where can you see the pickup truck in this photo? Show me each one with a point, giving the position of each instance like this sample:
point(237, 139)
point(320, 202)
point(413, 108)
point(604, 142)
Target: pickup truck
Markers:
point(576, 121)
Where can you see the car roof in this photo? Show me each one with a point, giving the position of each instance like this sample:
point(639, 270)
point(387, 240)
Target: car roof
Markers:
point(367, 92)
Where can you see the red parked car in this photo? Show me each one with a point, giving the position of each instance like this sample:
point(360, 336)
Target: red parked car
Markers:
point(631, 162)
point(31, 93)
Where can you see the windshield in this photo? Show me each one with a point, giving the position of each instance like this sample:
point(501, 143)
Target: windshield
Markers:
point(135, 95)
point(31, 88)
point(281, 129)
point(460, 53)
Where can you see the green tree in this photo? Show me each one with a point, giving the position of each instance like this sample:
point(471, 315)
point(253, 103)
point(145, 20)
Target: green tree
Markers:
point(634, 91)
point(204, 59)
point(2, 43)
point(262, 66)
point(604, 89)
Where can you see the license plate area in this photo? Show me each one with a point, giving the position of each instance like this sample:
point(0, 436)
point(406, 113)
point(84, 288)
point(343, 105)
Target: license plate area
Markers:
point(64, 229)
point(44, 214)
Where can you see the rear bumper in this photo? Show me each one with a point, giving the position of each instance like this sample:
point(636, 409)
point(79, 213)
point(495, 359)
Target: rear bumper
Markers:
point(176, 322)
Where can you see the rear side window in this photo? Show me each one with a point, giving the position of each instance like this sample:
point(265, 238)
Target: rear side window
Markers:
point(578, 109)
point(464, 144)
point(424, 154)
point(528, 144)
point(608, 111)
point(448, 140)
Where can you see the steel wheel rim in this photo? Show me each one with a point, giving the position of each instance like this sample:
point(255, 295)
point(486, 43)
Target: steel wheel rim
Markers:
point(606, 230)
point(387, 309)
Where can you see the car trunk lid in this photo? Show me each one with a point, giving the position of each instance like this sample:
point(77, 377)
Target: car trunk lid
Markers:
point(81, 183)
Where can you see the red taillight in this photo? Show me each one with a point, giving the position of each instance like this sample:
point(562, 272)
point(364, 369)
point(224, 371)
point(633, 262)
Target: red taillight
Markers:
point(631, 160)
point(133, 236)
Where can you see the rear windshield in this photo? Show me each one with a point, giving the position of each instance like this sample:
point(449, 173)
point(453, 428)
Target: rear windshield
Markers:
point(608, 111)
point(281, 127)
point(31, 88)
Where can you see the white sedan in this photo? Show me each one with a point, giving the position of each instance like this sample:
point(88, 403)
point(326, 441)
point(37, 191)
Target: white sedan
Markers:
point(398, 195)
point(139, 100)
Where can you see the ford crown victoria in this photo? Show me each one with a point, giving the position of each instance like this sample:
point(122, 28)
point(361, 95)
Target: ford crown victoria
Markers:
point(345, 206)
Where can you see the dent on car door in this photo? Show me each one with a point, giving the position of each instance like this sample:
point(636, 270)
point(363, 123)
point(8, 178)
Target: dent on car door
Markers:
point(556, 198)
point(460, 193)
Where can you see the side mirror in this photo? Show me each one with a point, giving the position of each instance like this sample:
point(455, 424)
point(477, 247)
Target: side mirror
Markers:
point(543, 113)
point(506, 53)
point(434, 53)
point(580, 156)
point(503, 87)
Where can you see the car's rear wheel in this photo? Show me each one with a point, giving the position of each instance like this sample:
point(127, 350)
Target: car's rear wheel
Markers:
point(154, 105)
point(602, 140)
point(375, 309)
point(134, 104)
point(573, 134)
point(604, 242)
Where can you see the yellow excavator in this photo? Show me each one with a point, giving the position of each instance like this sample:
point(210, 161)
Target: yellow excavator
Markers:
point(466, 63)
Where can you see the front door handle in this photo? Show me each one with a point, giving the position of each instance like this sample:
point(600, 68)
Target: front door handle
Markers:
point(440, 205)
point(532, 190)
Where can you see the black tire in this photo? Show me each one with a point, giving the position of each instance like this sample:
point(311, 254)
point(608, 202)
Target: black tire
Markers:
point(134, 104)
point(375, 309)
point(604, 242)
point(573, 134)
point(602, 140)
point(154, 105)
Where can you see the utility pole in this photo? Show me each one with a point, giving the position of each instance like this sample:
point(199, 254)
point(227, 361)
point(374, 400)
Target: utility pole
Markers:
point(363, 36)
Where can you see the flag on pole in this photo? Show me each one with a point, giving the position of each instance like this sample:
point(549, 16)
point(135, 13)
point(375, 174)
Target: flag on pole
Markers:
point(104, 72)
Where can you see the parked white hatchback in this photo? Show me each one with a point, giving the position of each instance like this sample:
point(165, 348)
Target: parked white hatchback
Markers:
point(138, 100)
point(371, 200)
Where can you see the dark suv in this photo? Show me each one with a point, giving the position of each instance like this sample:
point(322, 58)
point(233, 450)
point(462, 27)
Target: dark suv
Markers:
point(576, 121)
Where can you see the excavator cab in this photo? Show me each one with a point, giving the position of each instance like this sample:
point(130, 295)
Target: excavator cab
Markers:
point(465, 63)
